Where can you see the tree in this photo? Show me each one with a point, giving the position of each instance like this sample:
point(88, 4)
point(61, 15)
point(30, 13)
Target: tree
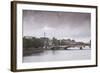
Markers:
point(27, 43)
point(55, 42)
point(37, 42)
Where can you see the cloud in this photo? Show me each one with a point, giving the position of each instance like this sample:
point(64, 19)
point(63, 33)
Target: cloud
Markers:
point(56, 24)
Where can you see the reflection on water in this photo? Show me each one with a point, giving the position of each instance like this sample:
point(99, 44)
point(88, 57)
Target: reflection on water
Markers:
point(59, 55)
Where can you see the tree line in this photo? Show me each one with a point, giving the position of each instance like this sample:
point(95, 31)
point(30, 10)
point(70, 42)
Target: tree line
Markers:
point(40, 42)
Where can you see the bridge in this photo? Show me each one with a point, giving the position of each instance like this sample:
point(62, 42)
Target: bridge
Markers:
point(65, 47)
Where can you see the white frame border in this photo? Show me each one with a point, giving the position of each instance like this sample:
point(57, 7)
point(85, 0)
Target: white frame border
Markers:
point(21, 65)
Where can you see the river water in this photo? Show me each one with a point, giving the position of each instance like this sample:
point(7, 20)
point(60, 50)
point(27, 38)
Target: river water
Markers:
point(59, 55)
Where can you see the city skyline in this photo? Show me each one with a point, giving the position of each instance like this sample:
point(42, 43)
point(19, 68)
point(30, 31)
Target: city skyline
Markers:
point(62, 25)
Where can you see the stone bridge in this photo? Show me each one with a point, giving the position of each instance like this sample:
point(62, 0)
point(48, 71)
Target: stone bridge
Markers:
point(65, 47)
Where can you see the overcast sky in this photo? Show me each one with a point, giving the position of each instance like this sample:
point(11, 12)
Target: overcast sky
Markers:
point(62, 25)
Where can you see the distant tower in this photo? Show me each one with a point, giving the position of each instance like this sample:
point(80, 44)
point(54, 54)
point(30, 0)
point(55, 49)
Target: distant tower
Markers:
point(90, 44)
point(44, 34)
point(44, 40)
